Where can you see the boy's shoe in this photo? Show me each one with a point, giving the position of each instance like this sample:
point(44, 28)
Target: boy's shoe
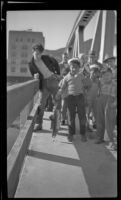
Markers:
point(83, 138)
point(51, 117)
point(70, 137)
point(38, 127)
point(94, 126)
point(89, 129)
point(63, 122)
point(54, 135)
point(99, 141)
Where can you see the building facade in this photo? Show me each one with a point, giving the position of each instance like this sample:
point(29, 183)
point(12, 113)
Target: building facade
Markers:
point(94, 30)
point(20, 51)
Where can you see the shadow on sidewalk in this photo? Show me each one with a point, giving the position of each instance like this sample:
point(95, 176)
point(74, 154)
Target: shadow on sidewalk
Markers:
point(97, 163)
point(50, 131)
point(99, 168)
point(95, 160)
point(54, 158)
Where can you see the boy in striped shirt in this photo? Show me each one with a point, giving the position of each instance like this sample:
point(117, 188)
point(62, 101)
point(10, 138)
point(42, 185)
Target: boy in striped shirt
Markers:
point(75, 83)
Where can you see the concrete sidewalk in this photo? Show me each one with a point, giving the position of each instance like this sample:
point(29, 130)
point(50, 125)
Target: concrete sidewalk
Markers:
point(58, 168)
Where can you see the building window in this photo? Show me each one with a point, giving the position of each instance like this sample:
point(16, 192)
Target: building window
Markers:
point(23, 70)
point(24, 55)
point(24, 47)
point(21, 39)
point(16, 39)
point(13, 54)
point(13, 62)
point(13, 69)
point(33, 40)
point(13, 46)
point(24, 62)
point(28, 40)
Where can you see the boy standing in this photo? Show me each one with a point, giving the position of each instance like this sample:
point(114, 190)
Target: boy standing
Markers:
point(110, 115)
point(64, 69)
point(92, 59)
point(105, 90)
point(111, 108)
point(74, 82)
point(93, 93)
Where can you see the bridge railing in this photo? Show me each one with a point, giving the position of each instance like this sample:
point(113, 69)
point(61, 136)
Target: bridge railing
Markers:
point(18, 97)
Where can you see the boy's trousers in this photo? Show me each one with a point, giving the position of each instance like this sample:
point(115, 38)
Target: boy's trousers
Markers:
point(64, 109)
point(76, 103)
point(92, 99)
point(110, 119)
point(100, 115)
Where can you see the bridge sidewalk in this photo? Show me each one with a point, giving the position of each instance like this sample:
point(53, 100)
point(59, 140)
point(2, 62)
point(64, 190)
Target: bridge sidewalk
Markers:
point(57, 168)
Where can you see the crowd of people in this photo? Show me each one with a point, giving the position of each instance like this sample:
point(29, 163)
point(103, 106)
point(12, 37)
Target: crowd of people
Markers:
point(79, 85)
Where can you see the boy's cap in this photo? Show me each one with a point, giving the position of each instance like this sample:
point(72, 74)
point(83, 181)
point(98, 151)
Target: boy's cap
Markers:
point(38, 46)
point(74, 60)
point(94, 66)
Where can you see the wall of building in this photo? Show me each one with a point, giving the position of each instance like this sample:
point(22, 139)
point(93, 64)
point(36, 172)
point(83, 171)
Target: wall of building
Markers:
point(20, 51)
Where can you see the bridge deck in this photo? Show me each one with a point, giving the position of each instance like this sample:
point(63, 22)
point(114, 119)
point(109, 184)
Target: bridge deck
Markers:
point(62, 169)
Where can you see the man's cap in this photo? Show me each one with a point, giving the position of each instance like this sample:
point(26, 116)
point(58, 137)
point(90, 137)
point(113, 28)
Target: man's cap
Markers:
point(38, 47)
point(74, 60)
point(109, 58)
point(92, 53)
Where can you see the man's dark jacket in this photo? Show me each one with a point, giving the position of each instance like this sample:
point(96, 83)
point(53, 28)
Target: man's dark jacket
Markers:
point(51, 64)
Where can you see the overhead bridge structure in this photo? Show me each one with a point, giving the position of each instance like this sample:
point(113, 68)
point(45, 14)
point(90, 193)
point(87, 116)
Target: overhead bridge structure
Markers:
point(94, 30)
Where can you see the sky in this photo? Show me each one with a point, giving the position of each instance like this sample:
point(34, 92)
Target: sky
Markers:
point(56, 25)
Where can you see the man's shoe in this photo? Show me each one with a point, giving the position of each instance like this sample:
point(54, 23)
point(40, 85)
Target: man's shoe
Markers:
point(63, 122)
point(54, 134)
point(83, 138)
point(99, 141)
point(38, 128)
point(70, 138)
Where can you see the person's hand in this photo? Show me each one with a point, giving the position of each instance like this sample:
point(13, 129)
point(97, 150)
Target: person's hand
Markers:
point(58, 77)
point(36, 76)
point(58, 95)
